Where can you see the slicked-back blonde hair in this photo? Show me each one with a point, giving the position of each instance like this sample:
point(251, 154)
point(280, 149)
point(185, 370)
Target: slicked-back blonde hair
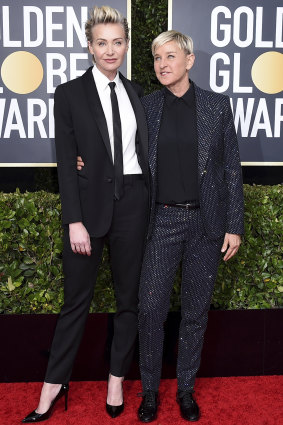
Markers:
point(105, 15)
point(183, 41)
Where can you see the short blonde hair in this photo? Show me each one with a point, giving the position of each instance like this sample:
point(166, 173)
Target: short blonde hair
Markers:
point(183, 41)
point(105, 15)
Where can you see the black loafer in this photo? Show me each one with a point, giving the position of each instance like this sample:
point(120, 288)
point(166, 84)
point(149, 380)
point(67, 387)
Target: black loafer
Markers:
point(188, 406)
point(148, 409)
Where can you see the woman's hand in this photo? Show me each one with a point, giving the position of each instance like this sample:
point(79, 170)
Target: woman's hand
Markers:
point(231, 245)
point(79, 239)
point(80, 163)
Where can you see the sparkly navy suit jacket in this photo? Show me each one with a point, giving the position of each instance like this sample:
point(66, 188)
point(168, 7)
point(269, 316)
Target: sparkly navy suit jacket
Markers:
point(219, 168)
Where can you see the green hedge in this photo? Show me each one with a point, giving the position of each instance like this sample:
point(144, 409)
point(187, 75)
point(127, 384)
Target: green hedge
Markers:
point(148, 20)
point(31, 279)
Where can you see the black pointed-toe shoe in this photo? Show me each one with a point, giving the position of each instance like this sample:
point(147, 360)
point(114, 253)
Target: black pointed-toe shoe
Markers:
point(39, 417)
point(188, 406)
point(148, 409)
point(114, 411)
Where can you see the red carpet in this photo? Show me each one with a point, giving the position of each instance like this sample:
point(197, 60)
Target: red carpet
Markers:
point(223, 401)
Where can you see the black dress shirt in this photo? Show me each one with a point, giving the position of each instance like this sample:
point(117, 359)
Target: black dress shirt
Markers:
point(177, 162)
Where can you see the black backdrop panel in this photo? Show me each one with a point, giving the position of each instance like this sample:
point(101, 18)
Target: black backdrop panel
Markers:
point(239, 52)
point(41, 46)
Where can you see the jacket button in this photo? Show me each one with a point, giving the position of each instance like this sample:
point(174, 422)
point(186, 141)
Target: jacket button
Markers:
point(109, 180)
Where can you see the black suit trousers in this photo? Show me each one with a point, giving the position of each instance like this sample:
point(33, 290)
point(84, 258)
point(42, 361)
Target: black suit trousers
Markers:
point(177, 236)
point(126, 241)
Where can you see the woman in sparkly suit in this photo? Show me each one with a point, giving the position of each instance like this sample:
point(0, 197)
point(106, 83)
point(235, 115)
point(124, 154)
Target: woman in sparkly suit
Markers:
point(196, 213)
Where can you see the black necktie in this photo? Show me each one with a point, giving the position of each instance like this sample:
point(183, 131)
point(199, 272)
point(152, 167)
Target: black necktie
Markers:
point(118, 151)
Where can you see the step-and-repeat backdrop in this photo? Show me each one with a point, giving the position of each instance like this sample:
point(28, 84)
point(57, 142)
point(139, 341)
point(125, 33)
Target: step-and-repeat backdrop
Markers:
point(239, 52)
point(42, 44)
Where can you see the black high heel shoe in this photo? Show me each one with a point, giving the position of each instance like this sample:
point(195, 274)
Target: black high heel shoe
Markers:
point(38, 417)
point(114, 411)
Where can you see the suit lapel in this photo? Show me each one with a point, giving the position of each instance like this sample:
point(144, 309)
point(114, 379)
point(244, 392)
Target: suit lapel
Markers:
point(203, 132)
point(96, 108)
point(140, 116)
point(156, 111)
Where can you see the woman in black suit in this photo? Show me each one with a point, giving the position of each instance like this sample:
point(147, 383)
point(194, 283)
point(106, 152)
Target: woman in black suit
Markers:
point(99, 116)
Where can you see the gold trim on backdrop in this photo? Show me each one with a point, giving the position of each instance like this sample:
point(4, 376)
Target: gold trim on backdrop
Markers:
point(262, 163)
point(54, 164)
point(170, 15)
point(26, 164)
point(129, 55)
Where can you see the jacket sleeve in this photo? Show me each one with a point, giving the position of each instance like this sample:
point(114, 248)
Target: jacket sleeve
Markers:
point(66, 153)
point(233, 174)
point(138, 89)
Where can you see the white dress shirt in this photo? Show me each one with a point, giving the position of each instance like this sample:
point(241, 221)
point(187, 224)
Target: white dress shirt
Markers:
point(127, 116)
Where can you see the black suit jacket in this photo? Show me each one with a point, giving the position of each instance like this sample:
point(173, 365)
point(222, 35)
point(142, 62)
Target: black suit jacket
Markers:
point(219, 169)
point(81, 129)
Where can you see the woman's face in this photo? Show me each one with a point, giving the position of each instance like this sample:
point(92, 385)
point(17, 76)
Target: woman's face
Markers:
point(108, 47)
point(171, 65)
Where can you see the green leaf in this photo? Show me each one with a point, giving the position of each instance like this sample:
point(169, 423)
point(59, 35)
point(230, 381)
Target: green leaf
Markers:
point(29, 273)
point(10, 285)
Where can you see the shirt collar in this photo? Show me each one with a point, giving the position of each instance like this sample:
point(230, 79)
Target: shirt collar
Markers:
point(102, 82)
point(188, 97)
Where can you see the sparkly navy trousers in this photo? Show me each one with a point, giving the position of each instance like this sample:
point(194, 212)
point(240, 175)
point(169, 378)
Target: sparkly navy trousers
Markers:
point(177, 235)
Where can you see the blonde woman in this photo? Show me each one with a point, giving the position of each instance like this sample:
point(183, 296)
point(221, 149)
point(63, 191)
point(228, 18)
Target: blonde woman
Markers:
point(196, 213)
point(99, 117)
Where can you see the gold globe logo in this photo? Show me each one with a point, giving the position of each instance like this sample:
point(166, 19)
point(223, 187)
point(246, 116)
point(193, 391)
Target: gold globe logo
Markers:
point(267, 72)
point(22, 72)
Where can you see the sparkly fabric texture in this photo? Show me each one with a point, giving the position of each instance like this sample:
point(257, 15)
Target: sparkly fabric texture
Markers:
point(177, 235)
point(193, 236)
point(219, 168)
